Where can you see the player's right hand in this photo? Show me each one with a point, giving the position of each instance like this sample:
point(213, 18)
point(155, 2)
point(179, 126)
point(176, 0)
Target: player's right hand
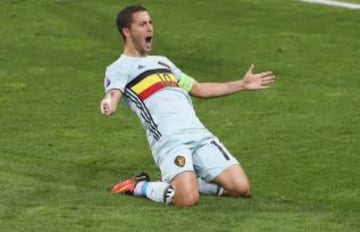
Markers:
point(105, 106)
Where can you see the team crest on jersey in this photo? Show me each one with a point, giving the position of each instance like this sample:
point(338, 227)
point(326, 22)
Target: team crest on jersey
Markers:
point(180, 161)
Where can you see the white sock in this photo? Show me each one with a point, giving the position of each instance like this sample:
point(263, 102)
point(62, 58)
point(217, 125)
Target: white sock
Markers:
point(161, 192)
point(207, 188)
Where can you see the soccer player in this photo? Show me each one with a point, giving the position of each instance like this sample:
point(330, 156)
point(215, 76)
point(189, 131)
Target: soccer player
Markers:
point(191, 159)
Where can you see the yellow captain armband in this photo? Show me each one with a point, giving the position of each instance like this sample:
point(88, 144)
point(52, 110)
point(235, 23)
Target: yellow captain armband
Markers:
point(186, 82)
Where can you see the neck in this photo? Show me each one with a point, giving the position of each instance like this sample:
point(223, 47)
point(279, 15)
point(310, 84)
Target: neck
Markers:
point(130, 50)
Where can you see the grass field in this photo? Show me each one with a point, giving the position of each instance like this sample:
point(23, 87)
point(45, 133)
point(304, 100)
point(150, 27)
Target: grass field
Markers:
point(298, 142)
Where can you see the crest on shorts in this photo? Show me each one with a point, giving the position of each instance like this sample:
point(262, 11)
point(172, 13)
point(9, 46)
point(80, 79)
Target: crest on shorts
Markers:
point(180, 161)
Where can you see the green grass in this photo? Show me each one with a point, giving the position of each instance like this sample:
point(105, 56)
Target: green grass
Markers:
point(299, 141)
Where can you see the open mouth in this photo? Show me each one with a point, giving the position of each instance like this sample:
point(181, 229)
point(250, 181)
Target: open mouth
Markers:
point(148, 39)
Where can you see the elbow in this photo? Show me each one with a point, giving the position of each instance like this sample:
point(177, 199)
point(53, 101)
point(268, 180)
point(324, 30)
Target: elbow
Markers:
point(199, 92)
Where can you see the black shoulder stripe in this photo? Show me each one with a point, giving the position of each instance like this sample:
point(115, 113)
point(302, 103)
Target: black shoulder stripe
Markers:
point(163, 64)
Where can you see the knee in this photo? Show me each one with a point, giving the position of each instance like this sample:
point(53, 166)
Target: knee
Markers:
point(187, 200)
point(242, 190)
point(234, 182)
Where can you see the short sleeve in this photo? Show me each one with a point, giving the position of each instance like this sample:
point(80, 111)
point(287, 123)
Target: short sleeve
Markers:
point(185, 82)
point(173, 68)
point(114, 80)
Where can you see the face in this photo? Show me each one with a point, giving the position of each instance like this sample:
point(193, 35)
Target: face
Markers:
point(140, 34)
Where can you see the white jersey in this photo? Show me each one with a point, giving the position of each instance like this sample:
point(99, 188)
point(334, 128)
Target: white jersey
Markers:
point(150, 88)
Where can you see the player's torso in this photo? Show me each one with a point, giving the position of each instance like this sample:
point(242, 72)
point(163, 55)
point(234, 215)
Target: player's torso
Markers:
point(152, 91)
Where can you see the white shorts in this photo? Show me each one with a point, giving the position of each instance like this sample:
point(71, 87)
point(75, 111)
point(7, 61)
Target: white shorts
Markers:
point(202, 153)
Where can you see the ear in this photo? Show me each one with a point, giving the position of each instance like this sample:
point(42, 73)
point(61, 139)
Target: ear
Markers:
point(126, 31)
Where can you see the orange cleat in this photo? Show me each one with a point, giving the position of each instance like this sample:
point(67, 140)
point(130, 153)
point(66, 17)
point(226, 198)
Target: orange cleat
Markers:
point(128, 186)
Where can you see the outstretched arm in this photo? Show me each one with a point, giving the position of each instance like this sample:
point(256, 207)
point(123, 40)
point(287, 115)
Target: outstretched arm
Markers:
point(110, 102)
point(250, 81)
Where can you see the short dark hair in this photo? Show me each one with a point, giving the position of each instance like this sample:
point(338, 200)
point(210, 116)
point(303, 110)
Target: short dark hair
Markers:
point(124, 18)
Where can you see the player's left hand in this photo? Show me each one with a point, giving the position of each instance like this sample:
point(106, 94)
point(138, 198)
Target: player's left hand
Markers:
point(257, 81)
